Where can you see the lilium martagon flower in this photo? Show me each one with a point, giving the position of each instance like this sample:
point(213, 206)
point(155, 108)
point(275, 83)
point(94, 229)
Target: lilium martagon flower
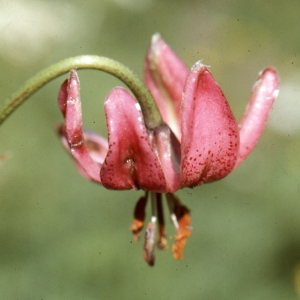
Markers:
point(199, 142)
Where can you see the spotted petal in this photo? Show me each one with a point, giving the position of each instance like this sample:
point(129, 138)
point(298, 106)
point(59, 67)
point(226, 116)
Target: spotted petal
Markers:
point(130, 161)
point(210, 138)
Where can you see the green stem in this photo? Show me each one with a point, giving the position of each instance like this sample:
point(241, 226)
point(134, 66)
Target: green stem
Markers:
point(150, 111)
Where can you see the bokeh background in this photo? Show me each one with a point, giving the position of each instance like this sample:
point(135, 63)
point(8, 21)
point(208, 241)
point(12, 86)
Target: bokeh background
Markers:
point(62, 237)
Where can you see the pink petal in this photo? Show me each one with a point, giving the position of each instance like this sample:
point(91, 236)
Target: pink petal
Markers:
point(131, 161)
point(70, 105)
point(165, 75)
point(62, 97)
point(96, 145)
point(256, 114)
point(210, 139)
point(168, 150)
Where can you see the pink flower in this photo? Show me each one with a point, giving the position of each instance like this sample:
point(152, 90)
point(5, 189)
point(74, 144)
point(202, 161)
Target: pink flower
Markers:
point(200, 141)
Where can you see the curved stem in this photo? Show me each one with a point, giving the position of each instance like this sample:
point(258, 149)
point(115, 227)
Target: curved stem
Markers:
point(149, 109)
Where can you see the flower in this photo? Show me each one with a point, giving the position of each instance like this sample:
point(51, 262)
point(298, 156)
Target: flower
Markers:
point(200, 141)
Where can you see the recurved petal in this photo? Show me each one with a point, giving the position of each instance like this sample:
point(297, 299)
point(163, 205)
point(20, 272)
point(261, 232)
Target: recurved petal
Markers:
point(130, 161)
point(72, 134)
point(210, 139)
point(256, 114)
point(63, 96)
point(97, 148)
point(165, 75)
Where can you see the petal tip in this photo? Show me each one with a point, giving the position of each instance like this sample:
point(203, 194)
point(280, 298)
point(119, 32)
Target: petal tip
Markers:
point(198, 66)
point(270, 74)
point(268, 78)
point(155, 47)
point(155, 38)
point(74, 75)
point(73, 85)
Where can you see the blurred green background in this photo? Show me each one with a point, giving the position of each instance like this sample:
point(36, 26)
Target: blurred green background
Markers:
point(63, 237)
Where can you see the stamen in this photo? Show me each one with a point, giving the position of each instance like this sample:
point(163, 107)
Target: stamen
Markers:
point(150, 236)
point(180, 216)
point(153, 205)
point(172, 209)
point(149, 245)
point(162, 241)
point(184, 229)
point(139, 217)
